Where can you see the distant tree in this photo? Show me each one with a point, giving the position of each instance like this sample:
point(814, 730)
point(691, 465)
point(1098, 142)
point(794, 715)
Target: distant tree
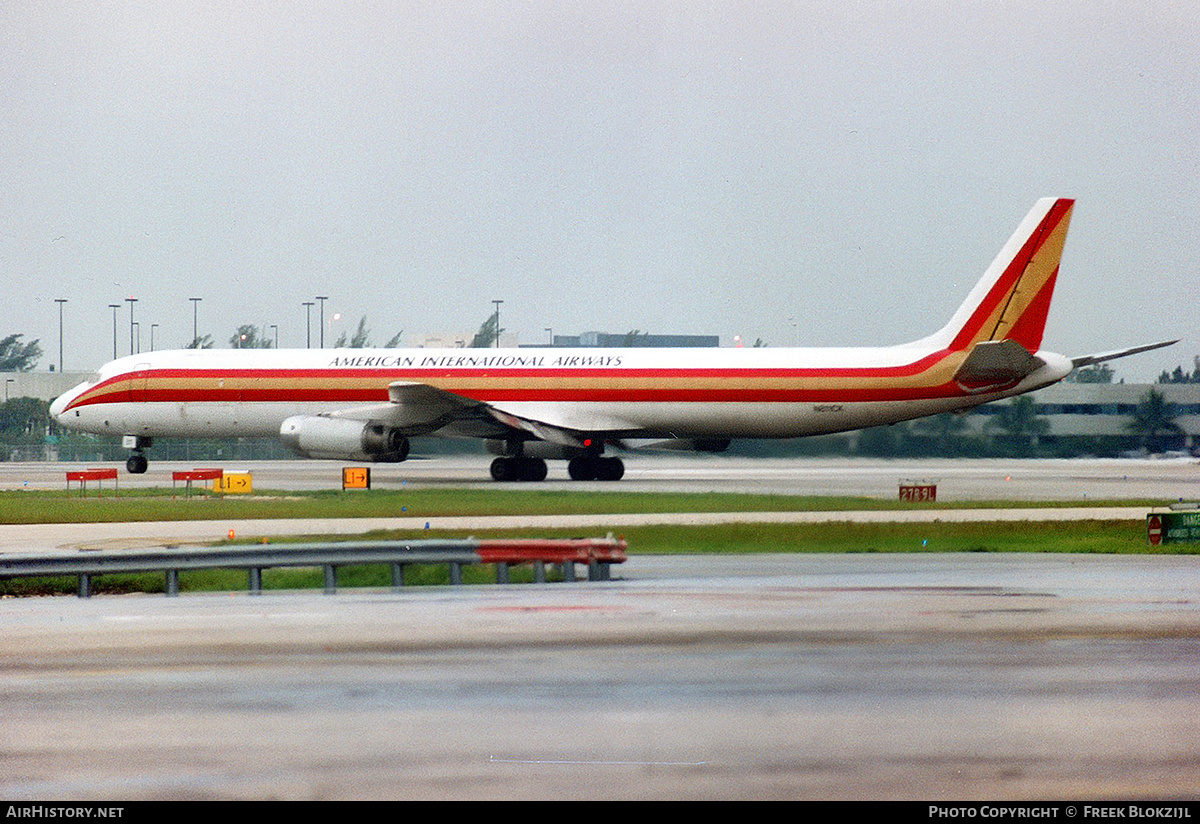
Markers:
point(23, 420)
point(202, 342)
point(361, 339)
point(884, 441)
point(488, 334)
point(1097, 373)
point(945, 429)
point(633, 337)
point(16, 356)
point(1178, 375)
point(249, 337)
point(1020, 422)
point(1154, 421)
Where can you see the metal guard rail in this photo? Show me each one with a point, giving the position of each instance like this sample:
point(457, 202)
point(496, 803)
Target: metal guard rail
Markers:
point(598, 553)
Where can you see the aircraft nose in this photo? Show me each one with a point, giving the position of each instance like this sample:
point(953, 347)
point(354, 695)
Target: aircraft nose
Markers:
point(57, 406)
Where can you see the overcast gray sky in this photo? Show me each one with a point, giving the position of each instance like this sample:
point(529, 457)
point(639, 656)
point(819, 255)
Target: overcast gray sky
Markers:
point(814, 173)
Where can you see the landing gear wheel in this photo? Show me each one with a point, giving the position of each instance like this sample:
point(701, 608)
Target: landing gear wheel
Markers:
point(518, 469)
point(532, 469)
point(610, 469)
point(595, 468)
point(136, 464)
point(503, 469)
point(582, 468)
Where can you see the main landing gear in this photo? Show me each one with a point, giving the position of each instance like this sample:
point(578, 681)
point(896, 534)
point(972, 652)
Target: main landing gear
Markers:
point(589, 464)
point(581, 468)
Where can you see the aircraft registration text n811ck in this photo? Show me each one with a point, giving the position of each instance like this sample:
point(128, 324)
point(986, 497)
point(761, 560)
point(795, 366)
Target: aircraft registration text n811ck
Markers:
point(533, 405)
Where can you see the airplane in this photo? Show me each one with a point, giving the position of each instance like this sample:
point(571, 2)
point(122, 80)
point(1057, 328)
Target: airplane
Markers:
point(534, 405)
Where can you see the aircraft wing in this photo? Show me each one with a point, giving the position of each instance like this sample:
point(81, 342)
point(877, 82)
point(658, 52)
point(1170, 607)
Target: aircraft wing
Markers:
point(541, 431)
point(419, 409)
point(566, 426)
point(1088, 360)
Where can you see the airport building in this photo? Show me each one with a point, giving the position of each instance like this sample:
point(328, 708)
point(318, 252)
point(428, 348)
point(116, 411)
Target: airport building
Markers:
point(45, 386)
point(1105, 410)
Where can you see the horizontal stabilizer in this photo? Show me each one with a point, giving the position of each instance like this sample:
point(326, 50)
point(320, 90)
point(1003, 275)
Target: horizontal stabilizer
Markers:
point(992, 363)
point(1088, 360)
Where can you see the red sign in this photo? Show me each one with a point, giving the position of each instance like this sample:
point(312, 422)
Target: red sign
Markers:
point(918, 492)
point(1154, 529)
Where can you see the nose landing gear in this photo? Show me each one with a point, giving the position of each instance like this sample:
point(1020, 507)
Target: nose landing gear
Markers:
point(136, 463)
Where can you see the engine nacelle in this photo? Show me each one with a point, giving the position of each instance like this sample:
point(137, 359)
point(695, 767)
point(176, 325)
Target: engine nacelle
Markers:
point(340, 439)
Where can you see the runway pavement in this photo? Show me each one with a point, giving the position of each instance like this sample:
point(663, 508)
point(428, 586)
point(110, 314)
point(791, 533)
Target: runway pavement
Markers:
point(971, 676)
point(957, 479)
point(761, 677)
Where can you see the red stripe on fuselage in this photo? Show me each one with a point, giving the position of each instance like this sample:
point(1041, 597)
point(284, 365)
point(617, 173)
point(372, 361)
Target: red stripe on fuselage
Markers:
point(170, 385)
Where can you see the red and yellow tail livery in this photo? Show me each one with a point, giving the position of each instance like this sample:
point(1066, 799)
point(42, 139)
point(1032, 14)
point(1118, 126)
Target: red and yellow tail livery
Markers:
point(1012, 299)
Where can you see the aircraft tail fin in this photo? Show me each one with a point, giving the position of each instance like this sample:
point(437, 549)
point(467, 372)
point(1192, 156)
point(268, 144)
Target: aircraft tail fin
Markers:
point(1012, 299)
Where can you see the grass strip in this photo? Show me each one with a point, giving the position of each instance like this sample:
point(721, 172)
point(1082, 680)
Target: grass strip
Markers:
point(46, 507)
point(1089, 537)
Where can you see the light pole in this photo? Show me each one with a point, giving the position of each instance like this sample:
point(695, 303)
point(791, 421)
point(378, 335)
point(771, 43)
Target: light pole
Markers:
point(308, 305)
point(195, 328)
point(322, 298)
point(131, 301)
point(152, 326)
point(275, 327)
point(60, 302)
point(114, 307)
point(497, 302)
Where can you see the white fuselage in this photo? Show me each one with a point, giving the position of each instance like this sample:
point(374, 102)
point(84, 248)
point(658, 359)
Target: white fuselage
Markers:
point(692, 393)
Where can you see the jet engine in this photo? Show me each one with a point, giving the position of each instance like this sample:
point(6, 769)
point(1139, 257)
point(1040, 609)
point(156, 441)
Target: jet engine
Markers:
point(341, 439)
